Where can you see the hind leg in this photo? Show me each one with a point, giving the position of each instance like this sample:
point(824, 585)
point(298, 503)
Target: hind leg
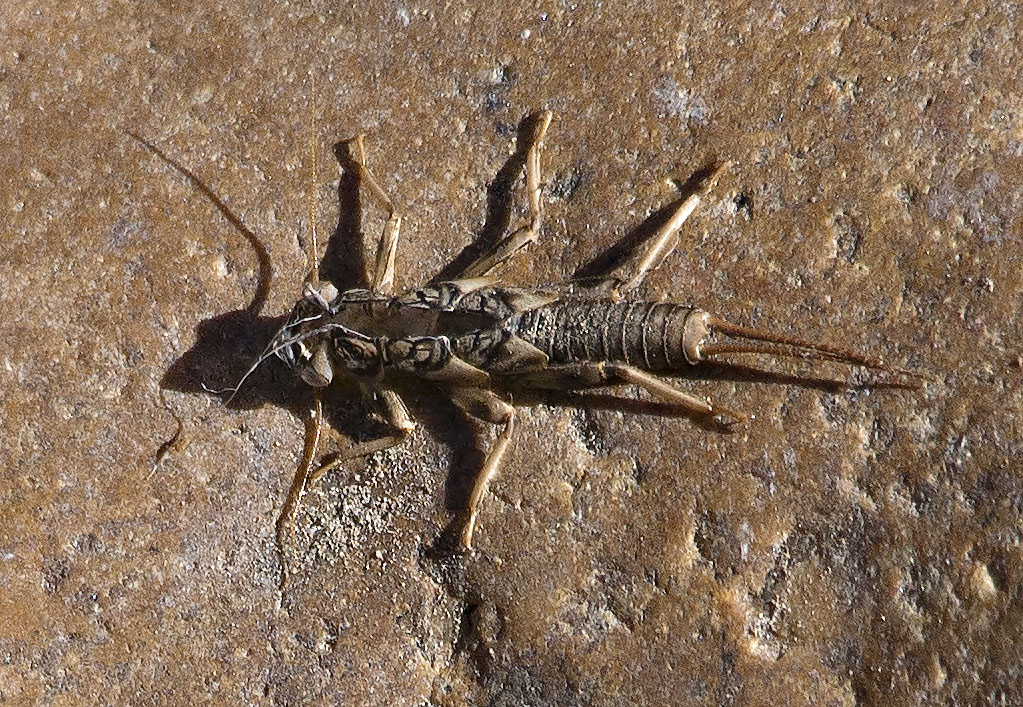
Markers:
point(631, 272)
point(587, 374)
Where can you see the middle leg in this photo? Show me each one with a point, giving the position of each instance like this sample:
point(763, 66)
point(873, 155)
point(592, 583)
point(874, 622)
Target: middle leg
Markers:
point(483, 405)
point(524, 235)
point(397, 417)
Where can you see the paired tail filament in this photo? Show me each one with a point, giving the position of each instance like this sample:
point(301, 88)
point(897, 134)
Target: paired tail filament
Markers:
point(749, 340)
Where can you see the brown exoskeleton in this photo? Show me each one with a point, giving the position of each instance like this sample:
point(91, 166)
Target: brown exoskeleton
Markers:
point(472, 333)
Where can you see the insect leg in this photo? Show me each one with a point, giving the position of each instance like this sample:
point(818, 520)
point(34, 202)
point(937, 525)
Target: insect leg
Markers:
point(382, 279)
point(313, 432)
point(524, 235)
point(313, 278)
point(631, 272)
point(483, 405)
point(587, 374)
point(397, 417)
point(432, 358)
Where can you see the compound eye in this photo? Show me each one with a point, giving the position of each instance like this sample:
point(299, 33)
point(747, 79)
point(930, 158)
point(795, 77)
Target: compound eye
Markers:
point(322, 295)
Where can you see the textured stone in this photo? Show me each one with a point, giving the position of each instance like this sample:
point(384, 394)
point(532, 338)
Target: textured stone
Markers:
point(842, 546)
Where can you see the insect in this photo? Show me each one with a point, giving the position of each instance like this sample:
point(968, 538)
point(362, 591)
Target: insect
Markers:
point(474, 337)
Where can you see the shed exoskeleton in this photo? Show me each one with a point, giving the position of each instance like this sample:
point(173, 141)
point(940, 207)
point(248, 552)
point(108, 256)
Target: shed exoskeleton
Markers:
point(475, 336)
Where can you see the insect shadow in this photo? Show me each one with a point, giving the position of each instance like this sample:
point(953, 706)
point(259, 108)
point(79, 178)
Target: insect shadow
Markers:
point(227, 343)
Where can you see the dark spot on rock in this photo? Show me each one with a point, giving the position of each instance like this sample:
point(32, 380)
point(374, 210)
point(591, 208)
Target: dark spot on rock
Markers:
point(882, 434)
point(504, 129)
point(123, 233)
point(848, 235)
point(591, 432)
point(87, 543)
point(717, 543)
point(922, 494)
point(133, 356)
point(564, 185)
point(492, 103)
point(743, 204)
point(906, 194)
point(506, 75)
point(55, 571)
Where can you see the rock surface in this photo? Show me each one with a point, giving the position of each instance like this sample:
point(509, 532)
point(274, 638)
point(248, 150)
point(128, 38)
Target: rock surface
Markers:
point(843, 546)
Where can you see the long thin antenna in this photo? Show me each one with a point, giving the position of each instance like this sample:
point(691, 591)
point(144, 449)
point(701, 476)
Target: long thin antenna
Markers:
point(314, 274)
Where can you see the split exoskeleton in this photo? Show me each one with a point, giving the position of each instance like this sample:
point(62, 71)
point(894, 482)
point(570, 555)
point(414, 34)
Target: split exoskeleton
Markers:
point(474, 337)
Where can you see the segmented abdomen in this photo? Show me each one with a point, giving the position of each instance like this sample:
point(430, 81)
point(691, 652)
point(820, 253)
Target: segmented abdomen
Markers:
point(643, 334)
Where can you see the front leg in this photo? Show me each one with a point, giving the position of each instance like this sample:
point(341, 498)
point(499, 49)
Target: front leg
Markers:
point(397, 417)
point(285, 521)
point(382, 277)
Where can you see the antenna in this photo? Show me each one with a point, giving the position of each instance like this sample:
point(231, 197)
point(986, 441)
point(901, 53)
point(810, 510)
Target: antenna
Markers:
point(314, 274)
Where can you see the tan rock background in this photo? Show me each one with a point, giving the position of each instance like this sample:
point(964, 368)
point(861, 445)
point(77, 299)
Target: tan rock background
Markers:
point(843, 546)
